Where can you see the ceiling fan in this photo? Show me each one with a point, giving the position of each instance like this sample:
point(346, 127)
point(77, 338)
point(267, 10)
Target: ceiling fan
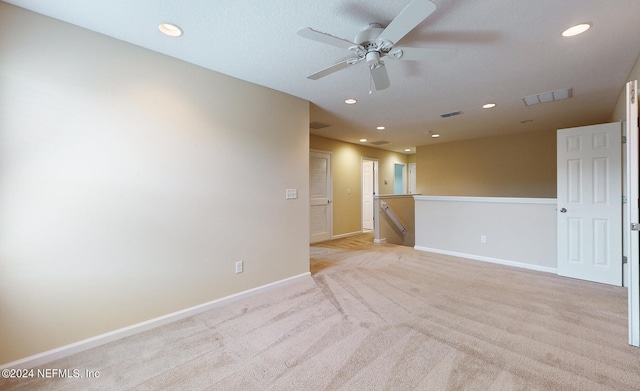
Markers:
point(375, 42)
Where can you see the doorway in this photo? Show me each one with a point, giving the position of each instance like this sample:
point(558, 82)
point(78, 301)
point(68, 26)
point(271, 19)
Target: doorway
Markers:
point(399, 178)
point(369, 190)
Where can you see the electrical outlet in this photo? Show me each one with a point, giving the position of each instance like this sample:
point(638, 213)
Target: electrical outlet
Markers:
point(239, 267)
point(483, 239)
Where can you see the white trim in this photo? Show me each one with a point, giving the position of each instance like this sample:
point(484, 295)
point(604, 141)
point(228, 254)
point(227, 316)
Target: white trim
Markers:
point(489, 260)
point(349, 234)
point(379, 241)
point(501, 200)
point(387, 196)
point(631, 211)
point(89, 343)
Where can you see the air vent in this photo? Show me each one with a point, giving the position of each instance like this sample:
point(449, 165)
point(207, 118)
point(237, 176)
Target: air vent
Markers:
point(550, 96)
point(381, 142)
point(317, 125)
point(451, 114)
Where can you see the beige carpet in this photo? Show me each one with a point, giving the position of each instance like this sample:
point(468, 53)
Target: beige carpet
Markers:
point(383, 317)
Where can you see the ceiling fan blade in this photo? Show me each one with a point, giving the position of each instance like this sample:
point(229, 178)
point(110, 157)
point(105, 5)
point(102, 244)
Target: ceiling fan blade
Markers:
point(407, 19)
point(380, 76)
point(328, 39)
point(423, 54)
point(334, 68)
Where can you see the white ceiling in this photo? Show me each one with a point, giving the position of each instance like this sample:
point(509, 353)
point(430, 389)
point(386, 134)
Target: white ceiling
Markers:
point(507, 49)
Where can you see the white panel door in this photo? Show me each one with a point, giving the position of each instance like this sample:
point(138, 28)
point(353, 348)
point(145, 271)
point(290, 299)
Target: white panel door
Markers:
point(367, 194)
point(590, 203)
point(633, 213)
point(319, 196)
point(412, 178)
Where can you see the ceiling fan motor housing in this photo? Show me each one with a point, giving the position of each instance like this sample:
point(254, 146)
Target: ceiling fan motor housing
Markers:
point(368, 36)
point(367, 39)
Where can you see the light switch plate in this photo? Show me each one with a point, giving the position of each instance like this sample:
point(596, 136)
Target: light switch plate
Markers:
point(292, 194)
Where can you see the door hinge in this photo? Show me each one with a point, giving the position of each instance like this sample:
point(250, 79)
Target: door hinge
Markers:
point(624, 260)
point(624, 199)
point(624, 139)
point(635, 227)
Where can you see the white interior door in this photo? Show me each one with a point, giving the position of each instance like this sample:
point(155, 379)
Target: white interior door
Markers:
point(319, 196)
point(590, 203)
point(412, 178)
point(368, 191)
point(633, 213)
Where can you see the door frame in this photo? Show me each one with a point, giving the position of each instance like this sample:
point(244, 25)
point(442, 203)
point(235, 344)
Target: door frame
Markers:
point(631, 212)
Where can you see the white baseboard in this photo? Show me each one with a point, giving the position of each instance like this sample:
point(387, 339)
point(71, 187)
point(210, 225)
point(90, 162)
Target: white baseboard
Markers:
point(346, 235)
point(86, 344)
point(490, 260)
point(380, 241)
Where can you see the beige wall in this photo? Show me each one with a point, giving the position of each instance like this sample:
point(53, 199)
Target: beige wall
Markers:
point(516, 165)
point(346, 161)
point(131, 182)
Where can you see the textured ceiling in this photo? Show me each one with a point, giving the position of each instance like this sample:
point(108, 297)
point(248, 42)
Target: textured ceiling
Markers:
point(507, 49)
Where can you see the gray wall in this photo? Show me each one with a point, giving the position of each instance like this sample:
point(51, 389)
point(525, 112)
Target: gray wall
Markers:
point(512, 231)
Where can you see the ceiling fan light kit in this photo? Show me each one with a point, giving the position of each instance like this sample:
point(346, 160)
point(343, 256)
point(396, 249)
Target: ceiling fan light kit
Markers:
point(375, 42)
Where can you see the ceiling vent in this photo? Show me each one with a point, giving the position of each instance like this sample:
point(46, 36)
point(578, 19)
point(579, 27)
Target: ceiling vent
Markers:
point(550, 96)
point(317, 125)
point(451, 114)
point(381, 142)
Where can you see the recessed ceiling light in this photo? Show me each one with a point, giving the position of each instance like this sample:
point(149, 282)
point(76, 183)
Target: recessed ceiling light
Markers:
point(575, 30)
point(489, 106)
point(350, 101)
point(363, 140)
point(407, 149)
point(430, 133)
point(170, 29)
point(381, 128)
